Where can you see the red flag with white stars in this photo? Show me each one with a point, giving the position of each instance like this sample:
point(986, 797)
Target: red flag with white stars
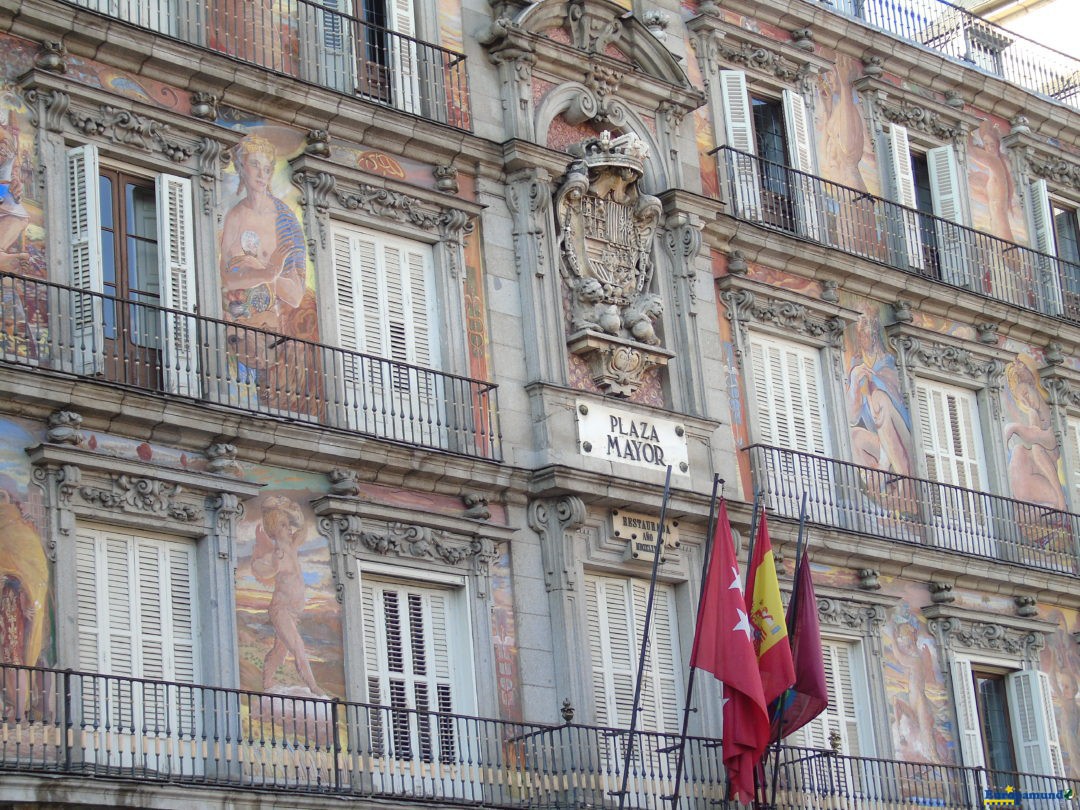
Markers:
point(724, 646)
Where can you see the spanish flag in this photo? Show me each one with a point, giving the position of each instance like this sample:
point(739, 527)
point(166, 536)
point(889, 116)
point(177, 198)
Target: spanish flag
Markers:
point(766, 611)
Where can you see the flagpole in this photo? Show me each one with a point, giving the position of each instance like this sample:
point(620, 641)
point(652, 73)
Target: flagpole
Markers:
point(799, 545)
point(752, 541)
point(717, 486)
point(644, 641)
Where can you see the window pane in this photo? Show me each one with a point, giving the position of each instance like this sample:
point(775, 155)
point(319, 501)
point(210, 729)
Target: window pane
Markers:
point(1067, 234)
point(994, 722)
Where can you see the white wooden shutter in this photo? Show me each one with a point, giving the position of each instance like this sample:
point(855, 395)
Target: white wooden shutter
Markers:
point(902, 181)
point(739, 135)
point(841, 715)
point(967, 715)
point(951, 438)
point(801, 158)
point(1048, 269)
point(176, 257)
point(1034, 726)
point(84, 240)
point(615, 616)
point(1072, 450)
point(135, 606)
point(408, 663)
point(789, 414)
point(407, 65)
point(947, 193)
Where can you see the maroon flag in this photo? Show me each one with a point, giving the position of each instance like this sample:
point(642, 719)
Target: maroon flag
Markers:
point(809, 697)
point(723, 645)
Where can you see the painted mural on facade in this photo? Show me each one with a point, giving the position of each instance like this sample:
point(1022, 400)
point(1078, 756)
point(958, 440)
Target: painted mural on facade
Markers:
point(25, 589)
point(287, 616)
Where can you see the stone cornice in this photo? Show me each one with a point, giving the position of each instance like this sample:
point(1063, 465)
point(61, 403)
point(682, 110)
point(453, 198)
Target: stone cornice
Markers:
point(721, 45)
point(783, 312)
point(945, 356)
point(369, 511)
point(1040, 160)
point(936, 120)
point(972, 632)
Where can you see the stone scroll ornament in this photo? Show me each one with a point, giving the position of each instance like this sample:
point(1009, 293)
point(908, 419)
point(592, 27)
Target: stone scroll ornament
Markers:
point(606, 228)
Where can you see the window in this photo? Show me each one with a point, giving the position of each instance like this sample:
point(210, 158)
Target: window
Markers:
point(136, 617)
point(772, 178)
point(787, 407)
point(1006, 721)
point(132, 253)
point(1056, 229)
point(417, 656)
point(615, 613)
point(951, 440)
point(384, 300)
point(929, 184)
point(1072, 453)
point(848, 703)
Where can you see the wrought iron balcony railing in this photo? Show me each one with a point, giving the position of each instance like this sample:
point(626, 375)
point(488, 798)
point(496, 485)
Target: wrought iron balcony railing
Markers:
point(855, 222)
point(968, 38)
point(315, 42)
point(61, 722)
point(169, 352)
point(853, 498)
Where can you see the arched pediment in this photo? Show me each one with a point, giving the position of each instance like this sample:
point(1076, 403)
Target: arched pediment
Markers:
point(605, 28)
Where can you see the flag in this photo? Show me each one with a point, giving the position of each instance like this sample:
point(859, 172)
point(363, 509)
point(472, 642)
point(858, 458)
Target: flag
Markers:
point(766, 610)
point(809, 697)
point(723, 645)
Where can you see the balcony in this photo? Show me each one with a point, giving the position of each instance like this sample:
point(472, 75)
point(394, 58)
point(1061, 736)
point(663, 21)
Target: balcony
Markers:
point(918, 511)
point(198, 359)
point(960, 35)
point(317, 43)
point(857, 223)
point(66, 723)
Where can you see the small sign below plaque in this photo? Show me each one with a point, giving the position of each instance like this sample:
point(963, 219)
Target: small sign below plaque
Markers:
point(640, 531)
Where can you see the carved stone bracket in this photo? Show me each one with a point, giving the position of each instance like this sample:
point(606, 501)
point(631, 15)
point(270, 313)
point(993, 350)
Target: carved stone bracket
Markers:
point(683, 240)
point(617, 367)
point(360, 530)
point(78, 483)
point(750, 303)
point(221, 459)
point(555, 520)
point(316, 189)
point(959, 630)
point(721, 45)
point(863, 617)
point(940, 121)
point(65, 428)
point(1035, 159)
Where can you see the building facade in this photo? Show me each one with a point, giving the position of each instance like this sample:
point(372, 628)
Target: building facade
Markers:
point(345, 347)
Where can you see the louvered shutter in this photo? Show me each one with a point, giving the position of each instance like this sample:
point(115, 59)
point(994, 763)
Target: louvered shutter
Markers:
point(327, 54)
point(739, 135)
point(951, 441)
point(176, 257)
point(788, 414)
point(136, 618)
point(615, 615)
point(410, 71)
point(1034, 726)
point(84, 241)
point(967, 715)
point(407, 657)
point(1072, 450)
point(841, 714)
point(953, 248)
point(801, 158)
point(1047, 267)
point(902, 181)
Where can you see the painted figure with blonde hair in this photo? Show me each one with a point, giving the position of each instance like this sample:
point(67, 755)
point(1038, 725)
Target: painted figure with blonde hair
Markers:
point(263, 253)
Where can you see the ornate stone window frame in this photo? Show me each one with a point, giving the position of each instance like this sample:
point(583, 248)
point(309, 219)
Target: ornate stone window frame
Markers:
point(331, 193)
point(989, 637)
point(409, 545)
point(133, 133)
point(976, 365)
point(849, 616)
point(771, 66)
point(1034, 159)
point(80, 486)
point(753, 306)
point(577, 539)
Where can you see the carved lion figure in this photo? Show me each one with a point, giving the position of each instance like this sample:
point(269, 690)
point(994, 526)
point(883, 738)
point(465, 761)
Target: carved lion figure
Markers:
point(641, 316)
